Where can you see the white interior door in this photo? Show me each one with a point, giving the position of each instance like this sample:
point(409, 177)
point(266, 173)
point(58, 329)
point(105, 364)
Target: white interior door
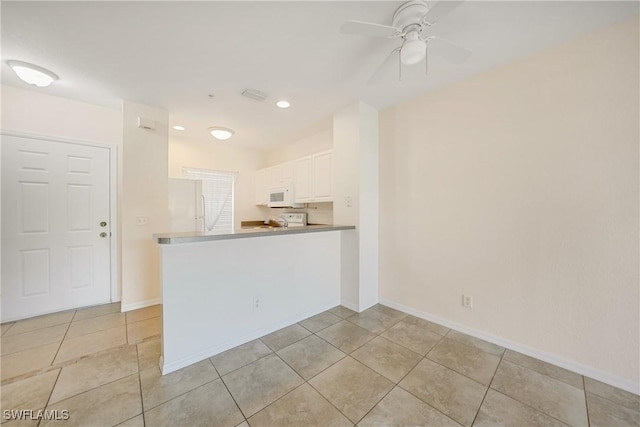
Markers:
point(56, 227)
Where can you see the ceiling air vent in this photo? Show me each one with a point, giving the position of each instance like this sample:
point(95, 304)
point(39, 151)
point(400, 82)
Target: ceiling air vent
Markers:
point(254, 94)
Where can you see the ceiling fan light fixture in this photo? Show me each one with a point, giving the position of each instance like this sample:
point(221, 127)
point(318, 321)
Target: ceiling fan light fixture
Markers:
point(283, 104)
point(414, 49)
point(32, 74)
point(221, 133)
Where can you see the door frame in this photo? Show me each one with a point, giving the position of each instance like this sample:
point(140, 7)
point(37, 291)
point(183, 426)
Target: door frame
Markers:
point(114, 253)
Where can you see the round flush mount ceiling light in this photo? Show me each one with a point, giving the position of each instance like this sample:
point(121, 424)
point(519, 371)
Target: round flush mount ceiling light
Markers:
point(178, 127)
point(32, 74)
point(221, 133)
point(283, 104)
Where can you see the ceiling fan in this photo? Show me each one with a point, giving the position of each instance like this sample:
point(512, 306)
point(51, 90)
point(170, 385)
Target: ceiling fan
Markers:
point(410, 22)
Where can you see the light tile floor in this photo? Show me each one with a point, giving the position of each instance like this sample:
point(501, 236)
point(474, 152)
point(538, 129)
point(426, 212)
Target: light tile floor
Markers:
point(380, 367)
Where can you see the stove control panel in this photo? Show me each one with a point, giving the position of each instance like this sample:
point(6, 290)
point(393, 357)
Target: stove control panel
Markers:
point(298, 219)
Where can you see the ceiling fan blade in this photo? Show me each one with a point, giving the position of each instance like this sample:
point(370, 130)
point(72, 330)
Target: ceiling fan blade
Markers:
point(448, 50)
point(389, 69)
point(368, 29)
point(439, 10)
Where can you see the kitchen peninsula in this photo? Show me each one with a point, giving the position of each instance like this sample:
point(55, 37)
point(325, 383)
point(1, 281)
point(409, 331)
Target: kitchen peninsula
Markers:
point(223, 290)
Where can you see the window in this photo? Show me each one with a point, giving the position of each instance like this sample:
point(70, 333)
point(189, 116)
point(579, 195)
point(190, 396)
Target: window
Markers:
point(218, 197)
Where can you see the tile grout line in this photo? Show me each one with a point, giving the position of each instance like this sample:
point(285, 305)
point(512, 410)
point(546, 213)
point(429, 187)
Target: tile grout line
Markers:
point(93, 388)
point(179, 395)
point(395, 384)
point(51, 393)
point(246, 364)
point(410, 349)
point(62, 340)
point(419, 398)
point(289, 366)
point(586, 402)
point(348, 354)
point(547, 375)
point(518, 400)
point(488, 387)
point(139, 383)
point(281, 397)
point(227, 388)
point(530, 407)
point(11, 324)
point(461, 373)
point(414, 366)
point(328, 401)
point(322, 395)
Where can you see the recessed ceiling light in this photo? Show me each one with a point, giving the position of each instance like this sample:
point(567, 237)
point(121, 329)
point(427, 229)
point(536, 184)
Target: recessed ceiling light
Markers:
point(32, 74)
point(178, 127)
point(221, 133)
point(283, 104)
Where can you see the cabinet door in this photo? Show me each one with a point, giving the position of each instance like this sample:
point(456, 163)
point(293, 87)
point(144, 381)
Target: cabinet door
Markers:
point(279, 175)
point(286, 172)
point(261, 186)
point(302, 179)
point(323, 177)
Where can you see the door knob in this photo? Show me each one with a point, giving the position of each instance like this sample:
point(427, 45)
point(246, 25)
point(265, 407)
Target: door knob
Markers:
point(103, 234)
point(103, 224)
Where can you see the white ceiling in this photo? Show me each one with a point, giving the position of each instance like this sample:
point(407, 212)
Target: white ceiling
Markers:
point(174, 54)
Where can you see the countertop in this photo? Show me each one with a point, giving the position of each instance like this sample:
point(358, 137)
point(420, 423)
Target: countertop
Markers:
point(195, 237)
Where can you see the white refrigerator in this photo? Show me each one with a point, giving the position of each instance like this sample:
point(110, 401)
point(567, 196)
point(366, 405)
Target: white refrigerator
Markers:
point(185, 205)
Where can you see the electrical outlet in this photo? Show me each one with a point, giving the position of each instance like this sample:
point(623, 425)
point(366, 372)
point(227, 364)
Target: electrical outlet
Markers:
point(467, 301)
point(142, 220)
point(256, 303)
point(348, 201)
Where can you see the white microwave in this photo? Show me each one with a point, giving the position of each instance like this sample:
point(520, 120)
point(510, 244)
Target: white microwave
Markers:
point(282, 197)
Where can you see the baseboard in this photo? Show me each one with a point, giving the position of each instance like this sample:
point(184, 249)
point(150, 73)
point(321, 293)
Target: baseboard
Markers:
point(570, 365)
point(357, 307)
point(140, 304)
point(350, 305)
point(167, 368)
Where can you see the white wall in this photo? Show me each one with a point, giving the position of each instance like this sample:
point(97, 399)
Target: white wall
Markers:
point(209, 154)
point(520, 188)
point(33, 111)
point(144, 193)
point(314, 143)
point(355, 163)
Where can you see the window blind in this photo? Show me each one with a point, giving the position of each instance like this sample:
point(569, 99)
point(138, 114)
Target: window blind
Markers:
point(218, 198)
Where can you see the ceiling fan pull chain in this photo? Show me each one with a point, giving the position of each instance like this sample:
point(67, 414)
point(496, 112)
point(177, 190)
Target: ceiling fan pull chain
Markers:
point(399, 67)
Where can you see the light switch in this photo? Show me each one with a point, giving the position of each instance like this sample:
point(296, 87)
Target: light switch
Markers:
point(142, 220)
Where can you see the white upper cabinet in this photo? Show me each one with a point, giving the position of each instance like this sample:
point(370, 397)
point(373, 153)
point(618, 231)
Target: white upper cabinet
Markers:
point(312, 178)
point(261, 186)
point(271, 177)
point(303, 179)
point(279, 175)
point(323, 177)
